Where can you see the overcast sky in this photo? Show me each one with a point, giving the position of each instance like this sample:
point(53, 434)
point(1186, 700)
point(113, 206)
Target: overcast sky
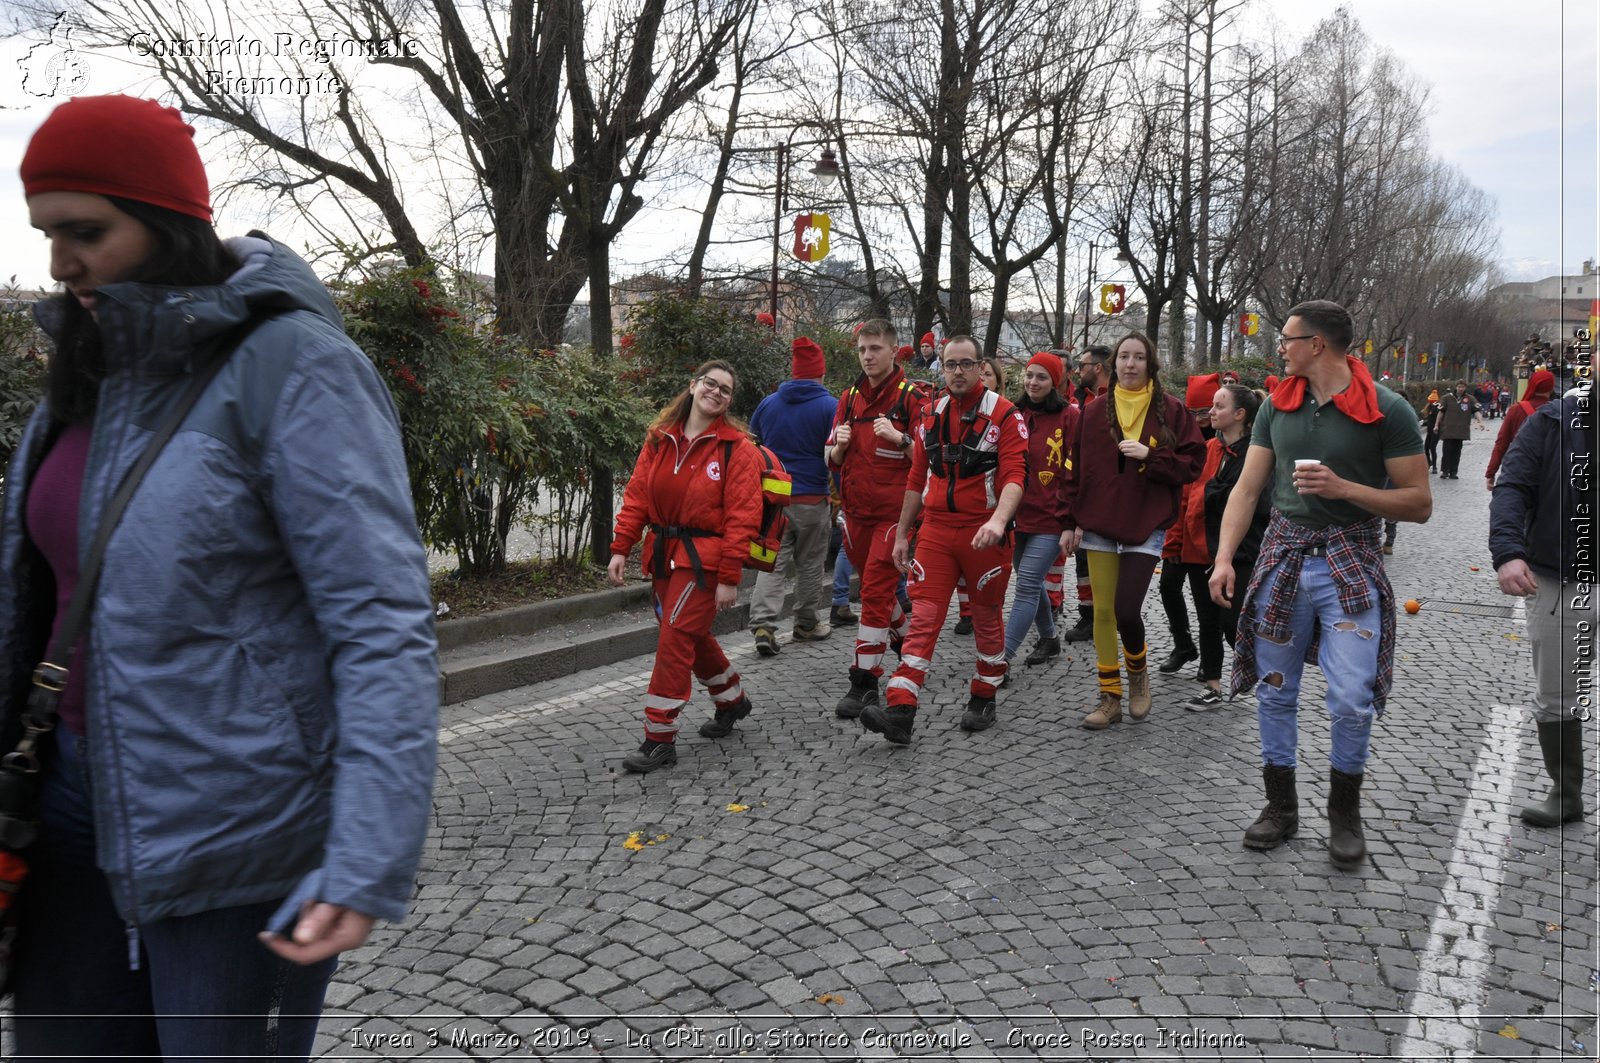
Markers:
point(1514, 104)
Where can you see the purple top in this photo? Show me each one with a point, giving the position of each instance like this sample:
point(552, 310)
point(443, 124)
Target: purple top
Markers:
point(53, 526)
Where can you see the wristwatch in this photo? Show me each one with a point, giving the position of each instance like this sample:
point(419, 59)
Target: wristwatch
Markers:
point(905, 440)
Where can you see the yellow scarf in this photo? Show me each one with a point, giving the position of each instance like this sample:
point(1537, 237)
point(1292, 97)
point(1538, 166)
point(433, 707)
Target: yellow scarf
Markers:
point(1132, 406)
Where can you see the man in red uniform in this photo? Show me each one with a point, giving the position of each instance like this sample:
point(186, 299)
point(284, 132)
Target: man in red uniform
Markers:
point(870, 448)
point(967, 468)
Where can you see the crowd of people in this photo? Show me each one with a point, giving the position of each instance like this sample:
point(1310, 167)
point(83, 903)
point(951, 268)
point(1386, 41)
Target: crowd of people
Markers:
point(1272, 507)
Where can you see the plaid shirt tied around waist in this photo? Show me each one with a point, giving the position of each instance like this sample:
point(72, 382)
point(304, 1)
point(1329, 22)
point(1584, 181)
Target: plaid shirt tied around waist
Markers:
point(1355, 560)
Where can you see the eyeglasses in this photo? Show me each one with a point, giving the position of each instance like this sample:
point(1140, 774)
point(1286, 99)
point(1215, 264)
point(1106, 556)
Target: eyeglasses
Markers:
point(1088, 364)
point(965, 365)
point(711, 385)
point(1284, 341)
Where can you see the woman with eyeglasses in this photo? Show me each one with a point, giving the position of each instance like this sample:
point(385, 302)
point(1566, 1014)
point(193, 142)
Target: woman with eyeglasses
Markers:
point(1136, 448)
point(695, 499)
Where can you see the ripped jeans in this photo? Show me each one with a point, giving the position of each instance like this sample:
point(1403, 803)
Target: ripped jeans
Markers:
point(1347, 655)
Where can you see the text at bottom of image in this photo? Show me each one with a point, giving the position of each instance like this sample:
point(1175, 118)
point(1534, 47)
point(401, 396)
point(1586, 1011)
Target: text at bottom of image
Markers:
point(559, 1040)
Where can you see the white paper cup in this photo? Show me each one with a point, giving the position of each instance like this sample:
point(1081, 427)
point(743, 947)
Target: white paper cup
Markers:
point(1306, 461)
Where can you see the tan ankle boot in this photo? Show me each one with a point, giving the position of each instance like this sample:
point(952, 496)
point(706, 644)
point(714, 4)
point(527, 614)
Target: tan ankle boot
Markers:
point(1139, 695)
point(1108, 712)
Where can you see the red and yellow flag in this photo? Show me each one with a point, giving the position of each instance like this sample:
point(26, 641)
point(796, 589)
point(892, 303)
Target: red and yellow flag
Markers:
point(811, 237)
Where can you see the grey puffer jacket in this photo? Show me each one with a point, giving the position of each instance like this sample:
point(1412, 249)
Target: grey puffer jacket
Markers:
point(262, 677)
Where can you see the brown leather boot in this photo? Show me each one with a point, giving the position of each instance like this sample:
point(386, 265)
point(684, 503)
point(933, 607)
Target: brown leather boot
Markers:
point(1108, 712)
point(1138, 695)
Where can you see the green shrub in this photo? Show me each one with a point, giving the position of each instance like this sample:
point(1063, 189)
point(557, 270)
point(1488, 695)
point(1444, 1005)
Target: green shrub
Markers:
point(22, 371)
point(671, 336)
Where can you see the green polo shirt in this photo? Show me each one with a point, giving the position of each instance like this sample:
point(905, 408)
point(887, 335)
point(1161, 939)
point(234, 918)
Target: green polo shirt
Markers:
point(1352, 450)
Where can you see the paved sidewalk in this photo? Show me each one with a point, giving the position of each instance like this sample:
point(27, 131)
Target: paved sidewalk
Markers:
point(804, 890)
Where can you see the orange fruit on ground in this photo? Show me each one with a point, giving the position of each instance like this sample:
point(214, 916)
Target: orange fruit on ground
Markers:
point(1413, 606)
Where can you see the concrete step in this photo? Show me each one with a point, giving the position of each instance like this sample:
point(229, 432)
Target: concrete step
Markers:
point(532, 643)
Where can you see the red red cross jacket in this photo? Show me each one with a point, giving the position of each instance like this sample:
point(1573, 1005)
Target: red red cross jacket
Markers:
point(872, 480)
point(990, 432)
point(679, 483)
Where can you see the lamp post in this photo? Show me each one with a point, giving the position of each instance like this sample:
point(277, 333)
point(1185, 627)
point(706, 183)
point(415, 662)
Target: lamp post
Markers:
point(826, 170)
point(1088, 288)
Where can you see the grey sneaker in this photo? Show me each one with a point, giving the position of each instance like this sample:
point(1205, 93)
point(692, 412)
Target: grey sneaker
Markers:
point(813, 633)
point(1205, 701)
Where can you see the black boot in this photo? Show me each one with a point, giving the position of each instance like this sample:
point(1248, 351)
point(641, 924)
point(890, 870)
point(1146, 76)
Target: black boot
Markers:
point(1044, 651)
point(964, 626)
point(979, 715)
point(1281, 818)
point(1183, 652)
point(892, 721)
point(1562, 744)
point(1085, 628)
point(1346, 845)
point(721, 723)
point(863, 692)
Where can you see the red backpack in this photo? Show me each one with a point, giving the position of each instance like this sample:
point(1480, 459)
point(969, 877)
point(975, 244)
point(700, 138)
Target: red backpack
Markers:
point(777, 486)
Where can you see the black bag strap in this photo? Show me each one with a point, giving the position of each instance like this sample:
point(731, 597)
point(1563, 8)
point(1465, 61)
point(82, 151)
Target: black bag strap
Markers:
point(50, 677)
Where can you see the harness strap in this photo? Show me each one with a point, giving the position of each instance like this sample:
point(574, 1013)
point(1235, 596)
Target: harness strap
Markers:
point(684, 535)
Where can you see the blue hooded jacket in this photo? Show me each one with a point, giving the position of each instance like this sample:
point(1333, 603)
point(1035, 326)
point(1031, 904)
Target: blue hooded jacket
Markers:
point(795, 421)
point(260, 666)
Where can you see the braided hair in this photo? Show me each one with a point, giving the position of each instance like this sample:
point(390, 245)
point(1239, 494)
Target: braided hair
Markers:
point(1158, 405)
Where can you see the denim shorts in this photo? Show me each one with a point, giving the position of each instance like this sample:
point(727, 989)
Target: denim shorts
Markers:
point(1151, 546)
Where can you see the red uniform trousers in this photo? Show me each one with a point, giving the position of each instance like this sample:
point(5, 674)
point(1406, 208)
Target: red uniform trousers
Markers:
point(1053, 580)
point(684, 647)
point(870, 548)
point(945, 554)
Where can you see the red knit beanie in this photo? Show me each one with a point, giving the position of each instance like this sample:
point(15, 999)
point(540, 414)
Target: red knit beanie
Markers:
point(1202, 389)
point(1272, 382)
point(927, 340)
point(766, 319)
point(119, 146)
point(904, 353)
point(807, 361)
point(1050, 364)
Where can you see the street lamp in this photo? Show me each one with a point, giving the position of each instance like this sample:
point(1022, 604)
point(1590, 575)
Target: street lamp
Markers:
point(826, 170)
point(1088, 288)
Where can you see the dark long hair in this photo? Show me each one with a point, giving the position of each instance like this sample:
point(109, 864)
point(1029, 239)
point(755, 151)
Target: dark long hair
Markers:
point(187, 252)
point(1246, 400)
point(1158, 404)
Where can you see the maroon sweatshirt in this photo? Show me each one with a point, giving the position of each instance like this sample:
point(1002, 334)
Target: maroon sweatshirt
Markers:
point(1123, 499)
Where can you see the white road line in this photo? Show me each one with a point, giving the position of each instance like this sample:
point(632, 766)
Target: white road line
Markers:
point(1450, 990)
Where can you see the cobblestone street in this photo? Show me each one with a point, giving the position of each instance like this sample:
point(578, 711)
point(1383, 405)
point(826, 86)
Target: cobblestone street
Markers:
point(802, 889)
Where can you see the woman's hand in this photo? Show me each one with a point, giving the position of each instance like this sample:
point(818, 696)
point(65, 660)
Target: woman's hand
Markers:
point(614, 570)
point(1071, 539)
point(323, 930)
point(727, 595)
point(1133, 449)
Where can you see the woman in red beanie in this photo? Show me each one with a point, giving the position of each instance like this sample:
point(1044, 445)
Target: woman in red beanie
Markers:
point(1052, 427)
point(1137, 446)
point(255, 693)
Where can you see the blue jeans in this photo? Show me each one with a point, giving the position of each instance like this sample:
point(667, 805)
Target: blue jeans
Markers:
point(841, 579)
point(1347, 655)
point(76, 994)
point(1031, 557)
